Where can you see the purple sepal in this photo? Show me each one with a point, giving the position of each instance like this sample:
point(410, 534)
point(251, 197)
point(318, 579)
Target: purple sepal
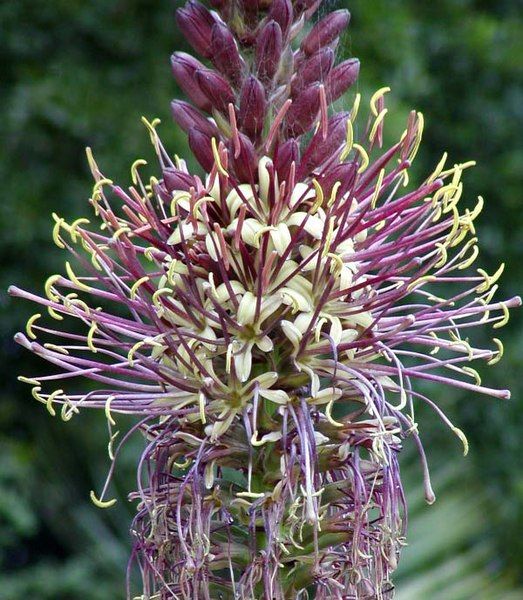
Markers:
point(196, 23)
point(216, 88)
point(244, 164)
point(315, 68)
point(345, 173)
point(201, 146)
point(174, 180)
point(326, 31)
point(251, 115)
point(183, 68)
point(187, 117)
point(225, 55)
point(268, 52)
point(285, 155)
point(319, 149)
point(281, 12)
point(341, 78)
point(303, 111)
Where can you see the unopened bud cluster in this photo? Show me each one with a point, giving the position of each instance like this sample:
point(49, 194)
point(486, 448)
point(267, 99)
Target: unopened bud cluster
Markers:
point(263, 94)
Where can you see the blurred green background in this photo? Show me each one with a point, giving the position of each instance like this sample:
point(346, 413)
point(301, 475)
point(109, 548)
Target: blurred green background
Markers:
point(76, 73)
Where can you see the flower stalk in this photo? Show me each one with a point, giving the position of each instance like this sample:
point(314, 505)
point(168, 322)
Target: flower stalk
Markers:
point(268, 323)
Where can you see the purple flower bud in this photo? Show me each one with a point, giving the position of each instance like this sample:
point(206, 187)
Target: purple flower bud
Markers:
point(319, 149)
point(201, 145)
point(244, 164)
point(268, 51)
point(303, 111)
point(216, 88)
point(251, 115)
point(345, 173)
point(285, 155)
point(187, 117)
point(281, 12)
point(196, 22)
point(184, 67)
point(326, 31)
point(174, 179)
point(225, 55)
point(341, 78)
point(315, 68)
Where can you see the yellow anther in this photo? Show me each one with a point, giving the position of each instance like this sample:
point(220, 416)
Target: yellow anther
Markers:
point(92, 163)
point(134, 169)
point(56, 348)
point(454, 228)
point(94, 260)
point(136, 285)
point(438, 169)
point(355, 107)
point(92, 330)
point(420, 281)
point(59, 221)
point(151, 126)
point(349, 141)
point(319, 196)
point(477, 209)
point(443, 253)
point(160, 292)
point(436, 349)
point(171, 272)
point(107, 410)
point(217, 159)
point(48, 287)
point(328, 237)
point(68, 410)
point(499, 354)
point(490, 280)
point(133, 350)
point(76, 302)
point(97, 188)
point(328, 414)
point(377, 123)
point(35, 393)
point(110, 444)
point(377, 189)
point(505, 318)
point(463, 438)
point(201, 406)
point(337, 263)
point(253, 495)
point(50, 400)
point(198, 203)
point(52, 312)
point(472, 373)
point(28, 327)
point(101, 503)
point(148, 253)
point(364, 157)
point(375, 97)
point(466, 263)
point(334, 193)
point(419, 135)
point(75, 279)
point(28, 380)
point(121, 231)
point(461, 167)
point(380, 225)
point(72, 229)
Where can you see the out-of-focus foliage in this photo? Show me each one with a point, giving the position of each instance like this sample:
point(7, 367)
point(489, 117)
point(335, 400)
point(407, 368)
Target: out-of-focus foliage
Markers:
point(77, 73)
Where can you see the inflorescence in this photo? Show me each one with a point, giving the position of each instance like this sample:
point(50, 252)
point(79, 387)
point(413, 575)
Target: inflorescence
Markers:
point(268, 323)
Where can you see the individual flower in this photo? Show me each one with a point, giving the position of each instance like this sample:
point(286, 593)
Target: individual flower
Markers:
point(268, 323)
